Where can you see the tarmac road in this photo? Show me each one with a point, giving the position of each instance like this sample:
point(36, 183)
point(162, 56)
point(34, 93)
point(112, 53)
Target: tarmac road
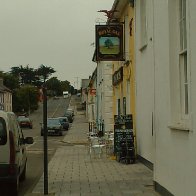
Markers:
point(35, 165)
point(35, 152)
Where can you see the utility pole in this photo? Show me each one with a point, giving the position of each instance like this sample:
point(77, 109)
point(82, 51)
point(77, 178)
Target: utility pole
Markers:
point(77, 82)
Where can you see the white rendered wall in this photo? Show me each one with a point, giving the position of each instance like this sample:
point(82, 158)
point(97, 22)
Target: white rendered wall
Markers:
point(108, 97)
point(175, 157)
point(144, 63)
point(104, 94)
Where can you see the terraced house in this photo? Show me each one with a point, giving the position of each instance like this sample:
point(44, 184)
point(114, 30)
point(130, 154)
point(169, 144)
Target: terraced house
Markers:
point(5, 97)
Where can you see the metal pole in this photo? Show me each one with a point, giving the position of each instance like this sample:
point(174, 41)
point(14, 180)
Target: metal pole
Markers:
point(29, 102)
point(45, 140)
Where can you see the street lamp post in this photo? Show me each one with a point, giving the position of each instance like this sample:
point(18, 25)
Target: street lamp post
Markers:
point(45, 140)
point(29, 103)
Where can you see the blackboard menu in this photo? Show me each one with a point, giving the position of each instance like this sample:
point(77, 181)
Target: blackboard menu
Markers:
point(126, 120)
point(123, 134)
point(123, 130)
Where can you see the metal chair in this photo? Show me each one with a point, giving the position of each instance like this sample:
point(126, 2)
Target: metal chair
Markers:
point(96, 146)
point(109, 141)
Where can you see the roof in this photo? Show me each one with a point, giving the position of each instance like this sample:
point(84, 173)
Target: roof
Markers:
point(3, 88)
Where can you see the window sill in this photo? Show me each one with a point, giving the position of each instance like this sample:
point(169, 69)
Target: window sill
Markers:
point(179, 127)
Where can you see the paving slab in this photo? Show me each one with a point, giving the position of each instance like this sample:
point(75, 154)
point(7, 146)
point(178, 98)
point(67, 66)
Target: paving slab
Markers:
point(72, 171)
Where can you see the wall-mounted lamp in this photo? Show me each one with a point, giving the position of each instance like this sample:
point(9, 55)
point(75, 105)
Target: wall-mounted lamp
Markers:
point(131, 3)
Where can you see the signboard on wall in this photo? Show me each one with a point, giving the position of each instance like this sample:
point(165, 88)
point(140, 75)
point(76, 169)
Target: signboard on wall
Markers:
point(117, 77)
point(109, 42)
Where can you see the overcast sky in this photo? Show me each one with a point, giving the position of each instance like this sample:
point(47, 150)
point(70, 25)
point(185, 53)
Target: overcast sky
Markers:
point(56, 33)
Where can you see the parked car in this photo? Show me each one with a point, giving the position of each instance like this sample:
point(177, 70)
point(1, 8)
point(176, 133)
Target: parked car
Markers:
point(70, 110)
point(55, 97)
point(13, 156)
point(25, 121)
point(78, 94)
point(65, 122)
point(69, 116)
point(54, 127)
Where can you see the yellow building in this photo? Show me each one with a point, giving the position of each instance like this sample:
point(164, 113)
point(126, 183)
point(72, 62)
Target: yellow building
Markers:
point(123, 71)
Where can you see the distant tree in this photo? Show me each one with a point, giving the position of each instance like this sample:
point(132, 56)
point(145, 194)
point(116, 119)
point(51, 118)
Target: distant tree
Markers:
point(25, 99)
point(25, 74)
point(1, 74)
point(16, 70)
point(44, 72)
point(54, 85)
point(9, 80)
point(65, 85)
point(28, 75)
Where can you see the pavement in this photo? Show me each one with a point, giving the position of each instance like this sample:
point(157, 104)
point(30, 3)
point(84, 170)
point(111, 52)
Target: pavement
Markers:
point(73, 172)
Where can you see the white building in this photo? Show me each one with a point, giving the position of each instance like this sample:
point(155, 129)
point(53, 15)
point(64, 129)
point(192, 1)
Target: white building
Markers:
point(165, 92)
point(91, 103)
point(104, 96)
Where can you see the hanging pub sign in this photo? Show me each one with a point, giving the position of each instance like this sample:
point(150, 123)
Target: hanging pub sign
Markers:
point(109, 42)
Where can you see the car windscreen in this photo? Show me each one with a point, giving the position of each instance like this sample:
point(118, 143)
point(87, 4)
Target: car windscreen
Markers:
point(3, 132)
point(61, 120)
point(23, 119)
point(53, 122)
point(67, 114)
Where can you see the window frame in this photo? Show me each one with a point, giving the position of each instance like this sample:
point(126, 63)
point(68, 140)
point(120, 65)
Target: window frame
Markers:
point(180, 76)
point(143, 24)
point(183, 60)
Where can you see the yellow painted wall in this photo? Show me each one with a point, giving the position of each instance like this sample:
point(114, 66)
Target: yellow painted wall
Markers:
point(128, 70)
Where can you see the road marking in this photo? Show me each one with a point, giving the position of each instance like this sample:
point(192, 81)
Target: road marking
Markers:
point(30, 145)
point(56, 109)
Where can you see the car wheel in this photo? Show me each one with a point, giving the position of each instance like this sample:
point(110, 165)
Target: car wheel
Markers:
point(23, 175)
point(31, 127)
point(60, 133)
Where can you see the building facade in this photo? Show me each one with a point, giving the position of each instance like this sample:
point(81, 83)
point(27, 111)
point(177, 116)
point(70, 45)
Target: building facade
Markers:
point(156, 84)
point(124, 71)
point(5, 97)
point(91, 103)
point(104, 96)
point(165, 95)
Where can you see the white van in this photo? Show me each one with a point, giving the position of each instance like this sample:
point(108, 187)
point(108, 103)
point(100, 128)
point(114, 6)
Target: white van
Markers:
point(13, 158)
point(65, 94)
